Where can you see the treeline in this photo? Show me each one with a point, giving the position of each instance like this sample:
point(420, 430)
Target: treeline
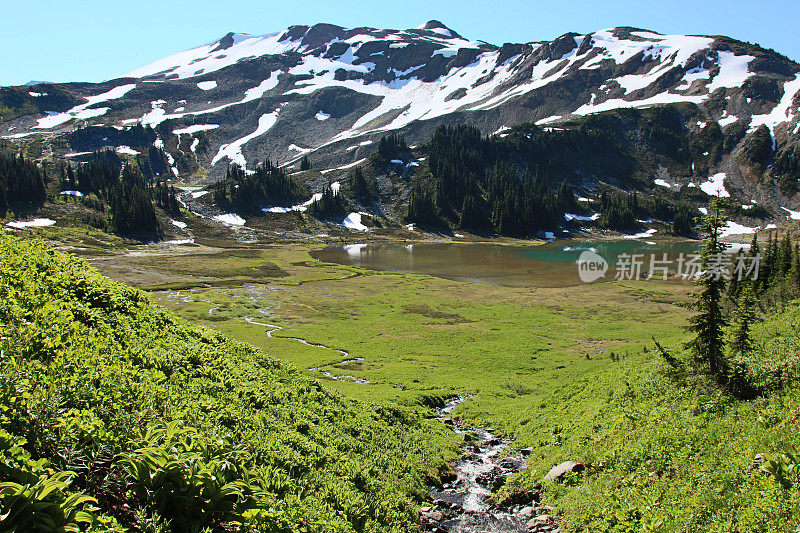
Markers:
point(509, 185)
point(131, 197)
point(389, 148)
point(472, 186)
point(778, 280)
point(154, 163)
point(245, 192)
point(466, 169)
point(20, 181)
point(622, 211)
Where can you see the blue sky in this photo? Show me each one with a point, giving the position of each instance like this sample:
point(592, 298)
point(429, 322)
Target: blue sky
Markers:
point(94, 40)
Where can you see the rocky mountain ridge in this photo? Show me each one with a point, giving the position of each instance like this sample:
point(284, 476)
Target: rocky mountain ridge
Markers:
point(329, 93)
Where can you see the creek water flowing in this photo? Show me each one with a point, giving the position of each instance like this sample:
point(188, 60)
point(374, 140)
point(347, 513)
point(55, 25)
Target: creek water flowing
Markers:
point(463, 504)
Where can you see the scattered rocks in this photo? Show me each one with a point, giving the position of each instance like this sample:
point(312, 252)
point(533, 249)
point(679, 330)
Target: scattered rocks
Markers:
point(464, 505)
point(526, 512)
point(543, 523)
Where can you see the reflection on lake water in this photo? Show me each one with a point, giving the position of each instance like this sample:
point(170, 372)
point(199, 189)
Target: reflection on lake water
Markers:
point(549, 265)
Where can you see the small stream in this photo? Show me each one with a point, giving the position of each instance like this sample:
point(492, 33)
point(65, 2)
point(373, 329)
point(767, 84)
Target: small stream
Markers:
point(463, 505)
point(345, 355)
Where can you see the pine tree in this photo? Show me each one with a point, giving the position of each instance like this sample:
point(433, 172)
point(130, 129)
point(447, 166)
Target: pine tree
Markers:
point(362, 187)
point(744, 316)
point(305, 163)
point(709, 323)
point(3, 201)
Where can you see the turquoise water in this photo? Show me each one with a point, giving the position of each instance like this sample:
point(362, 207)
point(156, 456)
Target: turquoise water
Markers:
point(549, 265)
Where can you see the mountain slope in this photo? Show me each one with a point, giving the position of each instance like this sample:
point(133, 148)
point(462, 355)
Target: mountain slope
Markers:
point(331, 93)
point(323, 87)
point(161, 420)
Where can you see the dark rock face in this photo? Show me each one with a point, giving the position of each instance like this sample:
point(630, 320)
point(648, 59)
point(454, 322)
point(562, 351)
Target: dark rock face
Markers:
point(224, 43)
point(333, 90)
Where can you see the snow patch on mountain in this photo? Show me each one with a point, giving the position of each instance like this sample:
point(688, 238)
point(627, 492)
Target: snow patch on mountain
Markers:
point(206, 59)
point(230, 219)
point(195, 128)
point(715, 186)
point(733, 71)
point(158, 115)
point(618, 103)
point(353, 221)
point(81, 111)
point(233, 151)
point(783, 111)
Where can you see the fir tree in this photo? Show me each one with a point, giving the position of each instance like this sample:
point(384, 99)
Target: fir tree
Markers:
point(744, 316)
point(328, 204)
point(361, 187)
point(708, 325)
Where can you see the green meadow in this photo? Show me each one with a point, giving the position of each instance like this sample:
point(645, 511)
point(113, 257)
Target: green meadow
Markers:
point(570, 373)
point(422, 336)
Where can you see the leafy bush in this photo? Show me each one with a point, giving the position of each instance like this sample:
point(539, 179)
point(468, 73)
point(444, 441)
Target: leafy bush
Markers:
point(170, 426)
point(188, 478)
point(36, 498)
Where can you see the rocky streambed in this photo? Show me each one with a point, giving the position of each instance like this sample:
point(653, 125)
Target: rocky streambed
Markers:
point(463, 504)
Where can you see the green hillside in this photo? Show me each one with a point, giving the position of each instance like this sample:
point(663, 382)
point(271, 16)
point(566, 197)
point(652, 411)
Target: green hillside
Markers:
point(156, 421)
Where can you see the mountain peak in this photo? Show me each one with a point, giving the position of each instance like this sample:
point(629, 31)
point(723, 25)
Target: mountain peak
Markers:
point(438, 27)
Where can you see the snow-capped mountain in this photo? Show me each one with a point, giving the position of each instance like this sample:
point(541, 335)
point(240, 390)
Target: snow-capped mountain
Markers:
point(330, 92)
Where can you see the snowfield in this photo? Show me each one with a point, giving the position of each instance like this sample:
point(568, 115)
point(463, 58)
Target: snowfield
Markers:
point(733, 228)
point(233, 151)
point(82, 111)
point(230, 219)
point(194, 129)
point(570, 217)
point(643, 235)
point(794, 215)
point(353, 222)
point(715, 186)
point(35, 223)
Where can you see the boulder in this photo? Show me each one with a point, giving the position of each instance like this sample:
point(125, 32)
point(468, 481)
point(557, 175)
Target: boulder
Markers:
point(558, 471)
point(526, 512)
point(540, 521)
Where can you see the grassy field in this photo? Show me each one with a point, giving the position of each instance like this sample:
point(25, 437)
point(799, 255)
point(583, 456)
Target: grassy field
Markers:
point(422, 336)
